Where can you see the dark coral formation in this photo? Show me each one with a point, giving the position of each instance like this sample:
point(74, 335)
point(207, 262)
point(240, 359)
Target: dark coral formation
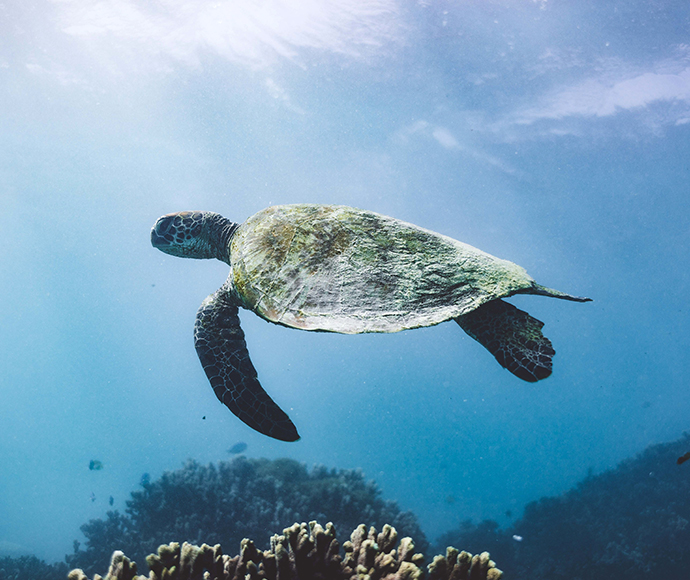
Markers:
point(242, 498)
point(305, 552)
point(30, 568)
point(630, 522)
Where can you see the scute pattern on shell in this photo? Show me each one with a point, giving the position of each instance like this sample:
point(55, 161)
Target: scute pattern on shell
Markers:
point(341, 269)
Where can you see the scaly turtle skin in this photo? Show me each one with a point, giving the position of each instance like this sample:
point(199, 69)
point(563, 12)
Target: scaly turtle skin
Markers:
point(341, 269)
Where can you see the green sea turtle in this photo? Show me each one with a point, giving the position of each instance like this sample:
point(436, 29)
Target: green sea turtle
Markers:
point(340, 269)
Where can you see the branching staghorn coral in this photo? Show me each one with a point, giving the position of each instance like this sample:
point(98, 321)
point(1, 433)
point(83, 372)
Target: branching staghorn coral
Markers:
point(304, 552)
point(463, 566)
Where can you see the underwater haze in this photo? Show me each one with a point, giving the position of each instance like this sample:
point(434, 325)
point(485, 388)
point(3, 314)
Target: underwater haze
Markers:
point(555, 134)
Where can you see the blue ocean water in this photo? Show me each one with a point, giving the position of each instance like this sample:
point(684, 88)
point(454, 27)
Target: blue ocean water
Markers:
point(553, 134)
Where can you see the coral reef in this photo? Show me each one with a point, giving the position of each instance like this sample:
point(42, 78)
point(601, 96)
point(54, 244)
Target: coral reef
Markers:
point(630, 522)
point(242, 498)
point(305, 552)
point(30, 568)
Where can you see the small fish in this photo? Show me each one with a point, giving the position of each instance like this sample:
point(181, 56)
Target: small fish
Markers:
point(111, 500)
point(517, 538)
point(93, 496)
point(95, 465)
point(204, 418)
point(145, 480)
point(238, 447)
point(683, 458)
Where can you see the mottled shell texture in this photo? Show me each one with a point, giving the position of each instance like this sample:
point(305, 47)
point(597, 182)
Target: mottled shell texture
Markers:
point(341, 269)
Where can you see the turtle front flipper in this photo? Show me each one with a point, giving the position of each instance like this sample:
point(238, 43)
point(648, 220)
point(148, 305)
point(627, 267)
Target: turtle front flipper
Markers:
point(223, 353)
point(513, 337)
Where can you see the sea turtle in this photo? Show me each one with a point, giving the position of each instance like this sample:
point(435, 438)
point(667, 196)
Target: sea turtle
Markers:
point(340, 269)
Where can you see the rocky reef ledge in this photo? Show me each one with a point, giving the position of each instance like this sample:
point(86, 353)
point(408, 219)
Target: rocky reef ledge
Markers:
point(305, 552)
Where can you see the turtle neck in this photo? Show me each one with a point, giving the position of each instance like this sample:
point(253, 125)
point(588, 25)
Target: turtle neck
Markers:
point(220, 232)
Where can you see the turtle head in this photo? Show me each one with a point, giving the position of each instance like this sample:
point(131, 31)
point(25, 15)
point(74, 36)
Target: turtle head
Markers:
point(193, 234)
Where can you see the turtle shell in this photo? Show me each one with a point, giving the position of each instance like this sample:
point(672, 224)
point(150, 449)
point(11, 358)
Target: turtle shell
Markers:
point(341, 269)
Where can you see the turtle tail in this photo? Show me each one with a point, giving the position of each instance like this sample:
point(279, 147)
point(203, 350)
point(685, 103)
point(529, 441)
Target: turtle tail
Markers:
point(540, 290)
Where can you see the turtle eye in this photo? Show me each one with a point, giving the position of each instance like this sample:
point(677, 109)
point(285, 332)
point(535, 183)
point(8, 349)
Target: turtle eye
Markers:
point(160, 233)
point(164, 225)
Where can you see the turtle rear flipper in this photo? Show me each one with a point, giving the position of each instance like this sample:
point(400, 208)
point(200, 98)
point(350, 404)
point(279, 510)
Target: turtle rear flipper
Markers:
point(513, 337)
point(223, 353)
